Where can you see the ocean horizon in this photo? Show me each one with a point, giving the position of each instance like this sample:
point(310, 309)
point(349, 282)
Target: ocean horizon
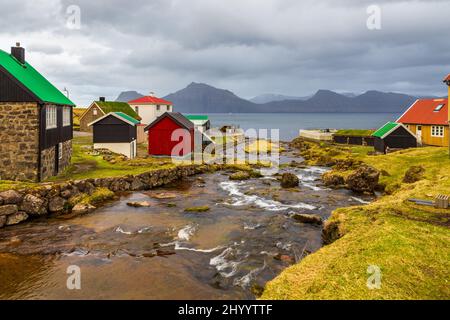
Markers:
point(289, 124)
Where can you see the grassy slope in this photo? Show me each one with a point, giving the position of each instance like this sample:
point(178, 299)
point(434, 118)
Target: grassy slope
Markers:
point(410, 243)
point(86, 166)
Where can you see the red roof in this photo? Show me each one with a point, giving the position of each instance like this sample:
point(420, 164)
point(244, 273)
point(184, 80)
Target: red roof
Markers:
point(424, 111)
point(447, 78)
point(150, 100)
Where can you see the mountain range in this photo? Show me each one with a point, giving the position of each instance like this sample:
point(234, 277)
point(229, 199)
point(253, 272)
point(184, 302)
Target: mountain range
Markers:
point(203, 98)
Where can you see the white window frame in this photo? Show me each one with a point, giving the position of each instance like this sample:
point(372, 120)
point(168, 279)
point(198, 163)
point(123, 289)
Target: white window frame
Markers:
point(66, 116)
point(51, 117)
point(94, 111)
point(437, 131)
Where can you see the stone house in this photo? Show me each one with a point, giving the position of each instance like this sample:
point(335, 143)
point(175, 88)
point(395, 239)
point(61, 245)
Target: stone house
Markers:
point(101, 108)
point(36, 122)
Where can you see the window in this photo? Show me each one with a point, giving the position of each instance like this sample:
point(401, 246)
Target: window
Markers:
point(60, 151)
point(66, 116)
point(51, 117)
point(158, 107)
point(438, 108)
point(437, 131)
point(94, 111)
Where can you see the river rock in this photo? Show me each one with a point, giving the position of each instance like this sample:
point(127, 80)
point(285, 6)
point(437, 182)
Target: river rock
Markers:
point(139, 204)
point(11, 197)
point(16, 218)
point(240, 175)
point(8, 209)
point(2, 221)
point(33, 205)
point(82, 208)
point(164, 196)
point(56, 204)
point(331, 179)
point(414, 174)
point(289, 180)
point(285, 258)
point(307, 218)
point(364, 179)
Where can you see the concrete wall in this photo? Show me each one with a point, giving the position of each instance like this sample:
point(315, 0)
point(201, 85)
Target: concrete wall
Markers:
point(124, 148)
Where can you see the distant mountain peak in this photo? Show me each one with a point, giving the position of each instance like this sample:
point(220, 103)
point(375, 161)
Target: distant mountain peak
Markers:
point(126, 96)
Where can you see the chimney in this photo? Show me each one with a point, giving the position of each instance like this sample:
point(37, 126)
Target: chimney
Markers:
point(102, 99)
point(151, 94)
point(18, 52)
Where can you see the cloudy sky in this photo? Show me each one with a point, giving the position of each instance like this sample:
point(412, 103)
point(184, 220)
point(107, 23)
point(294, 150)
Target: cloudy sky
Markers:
point(247, 46)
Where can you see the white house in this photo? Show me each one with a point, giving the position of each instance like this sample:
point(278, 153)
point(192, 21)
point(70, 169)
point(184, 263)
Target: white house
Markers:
point(149, 108)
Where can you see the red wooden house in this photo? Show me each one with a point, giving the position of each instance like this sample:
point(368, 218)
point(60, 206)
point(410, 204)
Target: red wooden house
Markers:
point(172, 134)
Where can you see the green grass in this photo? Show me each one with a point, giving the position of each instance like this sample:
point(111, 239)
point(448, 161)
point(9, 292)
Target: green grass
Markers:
point(85, 165)
point(354, 132)
point(409, 243)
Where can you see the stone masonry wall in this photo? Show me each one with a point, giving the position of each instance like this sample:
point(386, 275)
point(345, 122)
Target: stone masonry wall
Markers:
point(17, 206)
point(19, 141)
point(48, 160)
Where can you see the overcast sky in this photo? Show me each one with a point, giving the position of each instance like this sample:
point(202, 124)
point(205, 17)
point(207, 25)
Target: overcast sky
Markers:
point(247, 46)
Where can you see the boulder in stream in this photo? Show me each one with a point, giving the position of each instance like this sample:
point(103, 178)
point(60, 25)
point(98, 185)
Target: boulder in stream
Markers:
point(83, 208)
point(139, 204)
point(289, 180)
point(16, 218)
point(307, 218)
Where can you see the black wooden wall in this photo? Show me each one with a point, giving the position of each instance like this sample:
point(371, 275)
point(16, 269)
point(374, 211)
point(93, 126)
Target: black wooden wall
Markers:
point(113, 130)
point(52, 137)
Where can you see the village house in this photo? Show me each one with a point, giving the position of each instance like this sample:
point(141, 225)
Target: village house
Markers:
point(35, 122)
point(393, 136)
point(163, 138)
point(102, 107)
point(150, 107)
point(117, 132)
point(428, 120)
point(200, 122)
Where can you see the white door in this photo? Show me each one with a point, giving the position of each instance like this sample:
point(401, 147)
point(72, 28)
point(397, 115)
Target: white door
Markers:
point(419, 134)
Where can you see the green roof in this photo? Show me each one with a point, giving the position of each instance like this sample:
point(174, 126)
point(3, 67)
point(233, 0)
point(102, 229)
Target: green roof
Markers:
point(380, 133)
point(127, 117)
point(33, 80)
point(112, 106)
point(197, 117)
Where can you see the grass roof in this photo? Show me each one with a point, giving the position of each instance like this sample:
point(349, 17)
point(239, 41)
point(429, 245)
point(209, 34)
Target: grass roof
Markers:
point(112, 106)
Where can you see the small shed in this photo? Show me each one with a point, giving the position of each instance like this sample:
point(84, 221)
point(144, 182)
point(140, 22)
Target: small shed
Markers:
point(117, 132)
point(201, 122)
point(393, 136)
point(172, 134)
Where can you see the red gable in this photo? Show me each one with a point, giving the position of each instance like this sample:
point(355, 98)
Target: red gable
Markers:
point(150, 100)
point(426, 111)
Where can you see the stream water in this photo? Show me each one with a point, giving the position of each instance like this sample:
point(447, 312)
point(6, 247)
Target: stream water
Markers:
point(161, 252)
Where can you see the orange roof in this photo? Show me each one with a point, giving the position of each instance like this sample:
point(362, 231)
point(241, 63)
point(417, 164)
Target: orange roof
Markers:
point(426, 111)
point(150, 100)
point(447, 78)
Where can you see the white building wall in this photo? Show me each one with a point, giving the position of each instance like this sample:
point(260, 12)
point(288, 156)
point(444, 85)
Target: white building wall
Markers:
point(127, 149)
point(149, 112)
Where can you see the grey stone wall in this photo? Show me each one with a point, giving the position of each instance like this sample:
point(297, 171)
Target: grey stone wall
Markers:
point(48, 160)
point(17, 206)
point(19, 141)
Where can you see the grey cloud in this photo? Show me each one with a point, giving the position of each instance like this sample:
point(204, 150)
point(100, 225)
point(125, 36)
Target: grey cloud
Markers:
point(248, 46)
